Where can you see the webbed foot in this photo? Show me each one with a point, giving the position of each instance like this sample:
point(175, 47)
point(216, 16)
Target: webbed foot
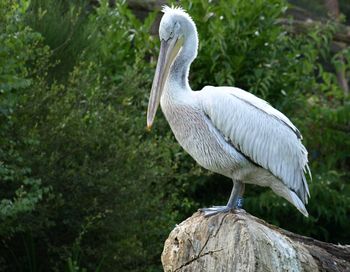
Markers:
point(222, 209)
point(215, 210)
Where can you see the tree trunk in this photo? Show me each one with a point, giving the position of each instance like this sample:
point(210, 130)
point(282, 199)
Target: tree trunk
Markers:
point(241, 242)
point(333, 10)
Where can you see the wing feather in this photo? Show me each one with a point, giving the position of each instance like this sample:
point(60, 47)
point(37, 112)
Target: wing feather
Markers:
point(260, 132)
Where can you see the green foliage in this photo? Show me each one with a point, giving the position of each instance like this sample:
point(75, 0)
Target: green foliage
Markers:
point(102, 172)
point(86, 188)
point(65, 28)
point(251, 42)
point(22, 56)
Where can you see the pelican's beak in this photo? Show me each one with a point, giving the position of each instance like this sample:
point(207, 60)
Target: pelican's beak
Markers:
point(168, 52)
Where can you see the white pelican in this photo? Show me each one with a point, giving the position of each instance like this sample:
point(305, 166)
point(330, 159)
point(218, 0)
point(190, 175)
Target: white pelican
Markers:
point(225, 129)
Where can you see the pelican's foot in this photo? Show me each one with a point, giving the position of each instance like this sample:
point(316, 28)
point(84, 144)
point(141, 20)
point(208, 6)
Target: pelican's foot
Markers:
point(215, 210)
point(223, 209)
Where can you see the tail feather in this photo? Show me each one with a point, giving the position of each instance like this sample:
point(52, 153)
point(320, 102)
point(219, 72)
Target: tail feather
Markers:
point(282, 190)
point(303, 192)
point(296, 201)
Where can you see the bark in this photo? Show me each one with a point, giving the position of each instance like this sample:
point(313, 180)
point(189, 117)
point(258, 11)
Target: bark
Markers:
point(333, 8)
point(342, 78)
point(241, 242)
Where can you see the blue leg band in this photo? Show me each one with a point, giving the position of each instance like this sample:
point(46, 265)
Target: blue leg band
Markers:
point(240, 202)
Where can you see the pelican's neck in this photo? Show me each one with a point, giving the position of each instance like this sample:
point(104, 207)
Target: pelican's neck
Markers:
point(178, 76)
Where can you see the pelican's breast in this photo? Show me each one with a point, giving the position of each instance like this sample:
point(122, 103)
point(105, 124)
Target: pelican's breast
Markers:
point(198, 137)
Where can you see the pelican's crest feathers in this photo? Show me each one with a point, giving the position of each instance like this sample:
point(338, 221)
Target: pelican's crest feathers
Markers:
point(176, 10)
point(166, 9)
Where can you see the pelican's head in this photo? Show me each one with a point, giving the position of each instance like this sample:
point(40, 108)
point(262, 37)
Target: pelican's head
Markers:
point(176, 29)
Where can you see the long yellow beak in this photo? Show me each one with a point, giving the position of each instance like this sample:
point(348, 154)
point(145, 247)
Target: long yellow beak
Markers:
point(168, 52)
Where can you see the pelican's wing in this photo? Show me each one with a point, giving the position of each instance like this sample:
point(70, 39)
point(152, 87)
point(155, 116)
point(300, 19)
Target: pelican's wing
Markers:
point(260, 132)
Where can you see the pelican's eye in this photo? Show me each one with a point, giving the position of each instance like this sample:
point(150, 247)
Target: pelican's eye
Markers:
point(177, 27)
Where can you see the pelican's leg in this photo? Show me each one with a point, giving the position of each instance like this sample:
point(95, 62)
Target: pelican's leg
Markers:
point(235, 201)
point(240, 199)
point(236, 197)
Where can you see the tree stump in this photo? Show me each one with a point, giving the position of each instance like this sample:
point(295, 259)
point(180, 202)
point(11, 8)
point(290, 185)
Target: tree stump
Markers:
point(241, 242)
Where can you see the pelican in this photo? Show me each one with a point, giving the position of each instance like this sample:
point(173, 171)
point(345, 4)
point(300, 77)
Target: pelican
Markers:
point(225, 129)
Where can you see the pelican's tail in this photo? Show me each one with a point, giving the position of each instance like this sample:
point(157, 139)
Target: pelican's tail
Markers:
point(282, 190)
point(295, 200)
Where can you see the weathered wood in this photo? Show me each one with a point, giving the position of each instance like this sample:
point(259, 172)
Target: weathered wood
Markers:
point(241, 242)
